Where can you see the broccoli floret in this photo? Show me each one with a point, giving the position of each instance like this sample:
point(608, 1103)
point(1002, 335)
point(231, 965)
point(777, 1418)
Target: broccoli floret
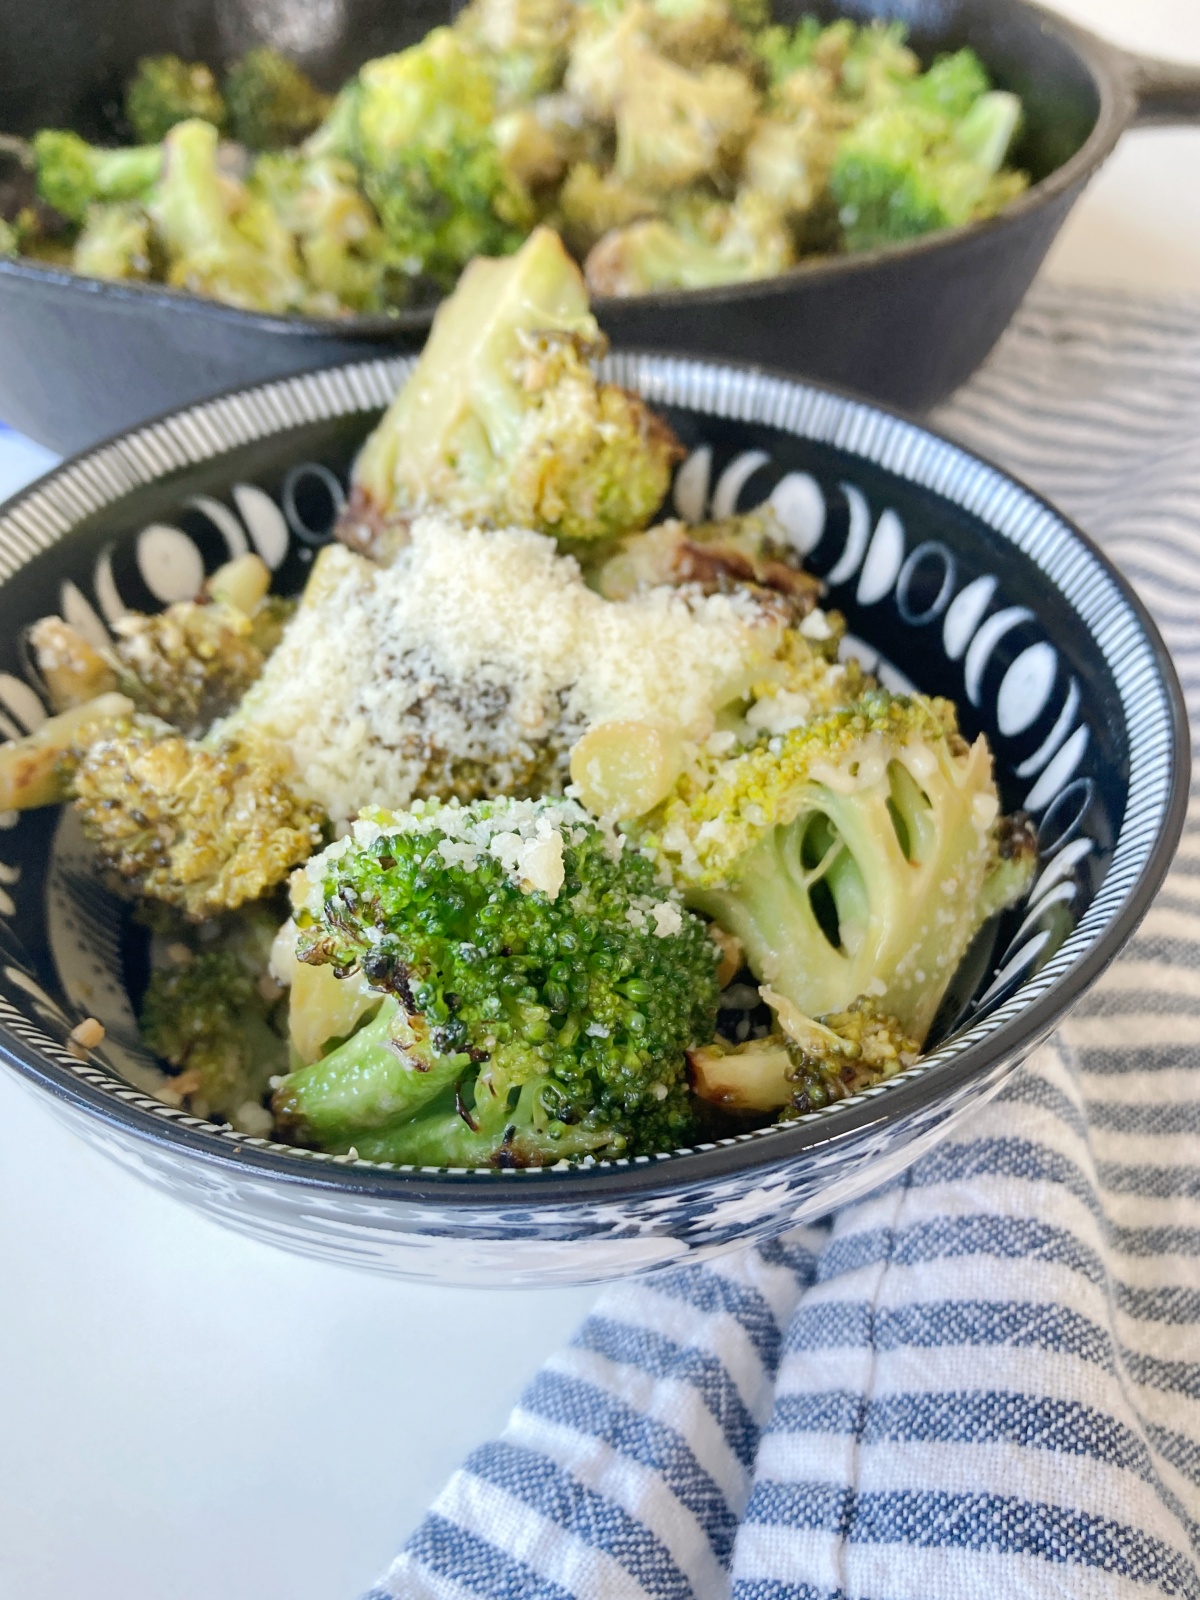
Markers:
point(343, 249)
point(718, 244)
point(213, 1012)
point(592, 203)
point(906, 170)
point(542, 986)
point(785, 50)
point(116, 242)
point(418, 126)
point(503, 420)
point(221, 241)
point(810, 1063)
point(73, 175)
point(166, 90)
point(522, 43)
point(699, 33)
point(788, 161)
point(675, 126)
point(952, 85)
point(856, 854)
point(270, 103)
point(202, 829)
point(877, 63)
point(36, 770)
point(719, 557)
point(186, 665)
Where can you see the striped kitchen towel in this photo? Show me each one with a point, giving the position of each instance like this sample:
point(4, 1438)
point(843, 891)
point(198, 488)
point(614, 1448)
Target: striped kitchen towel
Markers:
point(984, 1379)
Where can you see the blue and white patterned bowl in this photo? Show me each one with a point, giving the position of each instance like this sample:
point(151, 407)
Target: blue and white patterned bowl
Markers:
point(952, 576)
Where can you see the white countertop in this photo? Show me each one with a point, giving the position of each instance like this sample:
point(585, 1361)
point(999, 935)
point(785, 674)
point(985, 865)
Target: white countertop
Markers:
point(187, 1415)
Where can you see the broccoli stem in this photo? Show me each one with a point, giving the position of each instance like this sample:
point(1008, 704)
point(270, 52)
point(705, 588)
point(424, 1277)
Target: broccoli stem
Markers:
point(370, 1081)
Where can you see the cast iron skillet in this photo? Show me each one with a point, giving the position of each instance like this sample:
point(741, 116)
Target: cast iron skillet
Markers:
point(82, 359)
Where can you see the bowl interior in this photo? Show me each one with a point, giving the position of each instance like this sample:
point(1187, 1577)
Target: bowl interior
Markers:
point(952, 577)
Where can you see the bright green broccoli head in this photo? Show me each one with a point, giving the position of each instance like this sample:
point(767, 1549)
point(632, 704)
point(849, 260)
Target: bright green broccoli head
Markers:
point(857, 854)
point(166, 90)
point(72, 174)
point(542, 990)
point(271, 104)
point(503, 420)
point(418, 126)
point(908, 169)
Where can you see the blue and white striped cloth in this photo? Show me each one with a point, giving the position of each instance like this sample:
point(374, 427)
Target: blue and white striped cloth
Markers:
point(985, 1378)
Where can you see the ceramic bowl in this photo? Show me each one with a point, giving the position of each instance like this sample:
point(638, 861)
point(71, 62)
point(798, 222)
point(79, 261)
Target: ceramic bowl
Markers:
point(953, 577)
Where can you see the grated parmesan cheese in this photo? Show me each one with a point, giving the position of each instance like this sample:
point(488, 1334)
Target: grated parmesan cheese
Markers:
point(476, 660)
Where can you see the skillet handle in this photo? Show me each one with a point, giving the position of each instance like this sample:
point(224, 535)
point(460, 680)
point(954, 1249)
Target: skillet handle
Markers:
point(1165, 92)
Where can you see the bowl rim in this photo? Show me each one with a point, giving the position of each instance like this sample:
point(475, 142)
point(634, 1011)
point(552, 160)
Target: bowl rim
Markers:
point(189, 433)
point(1112, 75)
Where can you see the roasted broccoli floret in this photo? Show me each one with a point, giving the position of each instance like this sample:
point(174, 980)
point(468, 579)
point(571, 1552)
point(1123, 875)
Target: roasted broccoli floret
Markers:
point(907, 169)
point(73, 175)
point(36, 770)
point(591, 203)
point(952, 85)
point(541, 990)
point(221, 241)
point(418, 126)
point(856, 854)
point(675, 126)
point(213, 1012)
point(166, 90)
point(809, 1064)
point(716, 244)
point(204, 829)
point(503, 421)
point(522, 43)
point(186, 665)
point(785, 50)
point(342, 246)
point(270, 103)
point(116, 242)
point(719, 557)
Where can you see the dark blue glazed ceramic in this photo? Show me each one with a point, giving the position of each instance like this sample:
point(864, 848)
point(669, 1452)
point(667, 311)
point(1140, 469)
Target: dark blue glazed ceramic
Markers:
point(953, 577)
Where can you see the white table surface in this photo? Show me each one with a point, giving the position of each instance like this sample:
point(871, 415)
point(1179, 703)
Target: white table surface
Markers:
point(187, 1415)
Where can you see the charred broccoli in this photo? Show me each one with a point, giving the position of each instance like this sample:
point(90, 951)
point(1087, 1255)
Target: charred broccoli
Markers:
point(538, 991)
point(213, 1012)
point(503, 420)
point(819, 1061)
point(269, 102)
point(718, 557)
point(202, 829)
point(73, 175)
point(186, 665)
point(165, 90)
point(856, 854)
